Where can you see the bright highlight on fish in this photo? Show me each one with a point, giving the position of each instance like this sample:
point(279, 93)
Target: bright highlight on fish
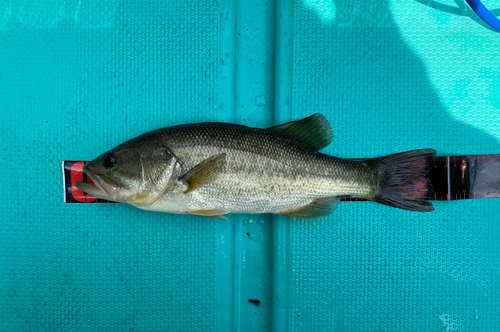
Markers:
point(213, 169)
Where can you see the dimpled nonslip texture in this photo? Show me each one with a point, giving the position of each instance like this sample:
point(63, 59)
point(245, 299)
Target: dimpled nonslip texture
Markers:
point(79, 78)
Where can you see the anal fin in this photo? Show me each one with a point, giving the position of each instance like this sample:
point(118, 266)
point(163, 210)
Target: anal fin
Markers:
point(316, 209)
point(214, 213)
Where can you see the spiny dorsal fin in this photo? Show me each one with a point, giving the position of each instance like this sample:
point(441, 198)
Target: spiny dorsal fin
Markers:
point(314, 130)
point(203, 173)
point(316, 209)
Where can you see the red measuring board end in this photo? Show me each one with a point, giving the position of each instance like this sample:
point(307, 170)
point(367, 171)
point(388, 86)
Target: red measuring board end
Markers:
point(73, 172)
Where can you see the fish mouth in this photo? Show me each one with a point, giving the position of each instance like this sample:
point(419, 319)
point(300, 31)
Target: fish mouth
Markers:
point(92, 189)
point(95, 187)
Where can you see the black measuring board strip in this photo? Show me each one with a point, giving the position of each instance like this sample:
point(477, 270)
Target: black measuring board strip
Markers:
point(465, 177)
point(452, 178)
point(461, 177)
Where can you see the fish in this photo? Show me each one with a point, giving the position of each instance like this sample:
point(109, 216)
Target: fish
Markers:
point(213, 169)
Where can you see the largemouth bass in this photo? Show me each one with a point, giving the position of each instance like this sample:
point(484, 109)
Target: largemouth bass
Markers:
point(212, 169)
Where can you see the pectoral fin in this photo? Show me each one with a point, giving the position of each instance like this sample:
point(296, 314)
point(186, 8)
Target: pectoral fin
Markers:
point(216, 213)
point(316, 209)
point(203, 173)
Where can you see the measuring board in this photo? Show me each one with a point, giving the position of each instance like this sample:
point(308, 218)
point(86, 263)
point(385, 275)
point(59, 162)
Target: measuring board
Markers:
point(461, 177)
point(452, 178)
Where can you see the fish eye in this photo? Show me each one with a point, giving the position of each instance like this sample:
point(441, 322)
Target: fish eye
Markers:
point(108, 160)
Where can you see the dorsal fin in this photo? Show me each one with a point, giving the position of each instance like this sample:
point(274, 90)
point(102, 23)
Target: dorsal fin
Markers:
point(314, 130)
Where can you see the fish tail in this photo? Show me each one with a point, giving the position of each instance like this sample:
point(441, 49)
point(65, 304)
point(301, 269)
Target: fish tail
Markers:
point(403, 182)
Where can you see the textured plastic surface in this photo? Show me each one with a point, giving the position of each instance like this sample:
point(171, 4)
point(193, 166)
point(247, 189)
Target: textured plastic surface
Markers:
point(78, 78)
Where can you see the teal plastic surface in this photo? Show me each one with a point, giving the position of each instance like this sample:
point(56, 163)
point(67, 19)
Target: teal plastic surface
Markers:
point(78, 78)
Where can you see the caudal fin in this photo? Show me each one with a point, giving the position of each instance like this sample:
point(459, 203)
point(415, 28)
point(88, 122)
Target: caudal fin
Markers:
point(403, 182)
